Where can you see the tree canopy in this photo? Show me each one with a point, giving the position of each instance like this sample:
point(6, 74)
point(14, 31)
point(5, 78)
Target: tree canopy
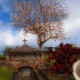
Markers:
point(41, 17)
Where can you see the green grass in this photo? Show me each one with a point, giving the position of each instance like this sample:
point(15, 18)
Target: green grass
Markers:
point(5, 73)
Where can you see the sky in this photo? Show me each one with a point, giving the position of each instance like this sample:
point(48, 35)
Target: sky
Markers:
point(11, 37)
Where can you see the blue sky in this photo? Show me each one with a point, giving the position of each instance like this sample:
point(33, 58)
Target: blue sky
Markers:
point(11, 37)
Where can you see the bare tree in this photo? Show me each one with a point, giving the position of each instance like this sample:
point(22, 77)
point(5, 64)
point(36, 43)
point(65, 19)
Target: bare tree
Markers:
point(41, 17)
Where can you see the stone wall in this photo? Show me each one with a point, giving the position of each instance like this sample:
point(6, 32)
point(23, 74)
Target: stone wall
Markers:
point(35, 63)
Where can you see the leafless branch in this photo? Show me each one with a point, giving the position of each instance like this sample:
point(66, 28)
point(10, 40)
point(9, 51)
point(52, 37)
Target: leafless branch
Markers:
point(41, 17)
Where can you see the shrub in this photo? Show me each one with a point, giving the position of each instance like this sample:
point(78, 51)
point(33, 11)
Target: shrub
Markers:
point(64, 57)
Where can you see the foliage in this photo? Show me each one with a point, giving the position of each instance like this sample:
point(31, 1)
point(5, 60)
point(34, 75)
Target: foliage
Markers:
point(41, 17)
point(65, 57)
point(5, 72)
point(2, 56)
point(8, 48)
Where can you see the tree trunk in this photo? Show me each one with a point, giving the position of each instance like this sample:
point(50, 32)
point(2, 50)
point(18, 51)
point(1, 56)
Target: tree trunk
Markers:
point(40, 45)
point(39, 42)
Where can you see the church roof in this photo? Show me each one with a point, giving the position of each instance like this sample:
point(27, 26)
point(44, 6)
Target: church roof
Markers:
point(25, 49)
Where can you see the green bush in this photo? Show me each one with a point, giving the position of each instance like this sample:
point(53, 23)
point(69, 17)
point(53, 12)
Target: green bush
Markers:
point(2, 56)
point(5, 72)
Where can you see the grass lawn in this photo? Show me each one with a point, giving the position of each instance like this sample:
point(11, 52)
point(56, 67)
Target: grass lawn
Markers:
point(5, 72)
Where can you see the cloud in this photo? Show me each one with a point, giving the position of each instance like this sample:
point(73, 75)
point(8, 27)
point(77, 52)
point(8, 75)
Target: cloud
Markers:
point(8, 37)
point(73, 8)
point(52, 43)
point(72, 24)
point(72, 28)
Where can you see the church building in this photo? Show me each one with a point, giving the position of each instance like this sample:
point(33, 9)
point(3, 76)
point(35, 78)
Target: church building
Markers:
point(25, 56)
